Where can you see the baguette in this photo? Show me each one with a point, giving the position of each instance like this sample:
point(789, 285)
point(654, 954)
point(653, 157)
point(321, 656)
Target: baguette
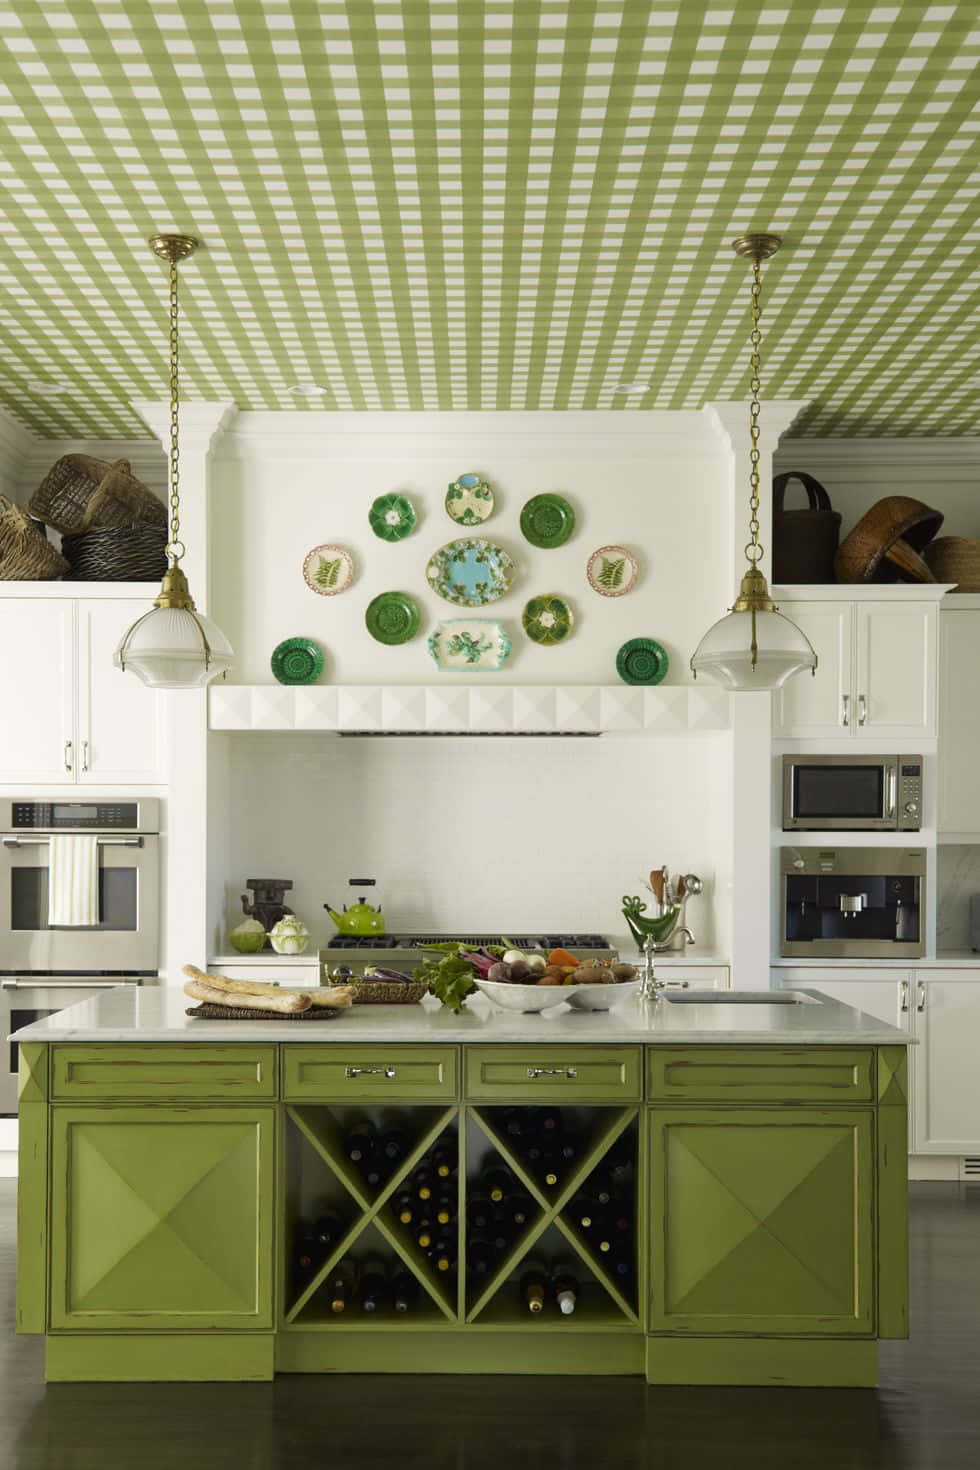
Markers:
point(323, 996)
point(288, 1001)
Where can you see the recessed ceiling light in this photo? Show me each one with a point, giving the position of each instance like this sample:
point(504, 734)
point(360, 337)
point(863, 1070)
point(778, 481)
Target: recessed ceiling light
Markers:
point(307, 390)
point(632, 387)
point(47, 390)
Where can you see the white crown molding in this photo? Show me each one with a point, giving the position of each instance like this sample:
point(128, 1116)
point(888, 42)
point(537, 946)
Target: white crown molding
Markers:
point(729, 418)
point(203, 421)
point(864, 454)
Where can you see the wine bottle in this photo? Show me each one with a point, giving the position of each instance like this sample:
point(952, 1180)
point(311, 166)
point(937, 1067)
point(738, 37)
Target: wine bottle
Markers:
point(341, 1285)
point(360, 1141)
point(444, 1161)
point(620, 1159)
point(404, 1291)
point(374, 1172)
point(328, 1227)
point(496, 1182)
point(564, 1284)
point(443, 1253)
point(479, 1211)
point(445, 1208)
point(374, 1282)
point(513, 1121)
point(423, 1237)
point(585, 1213)
point(501, 1232)
point(569, 1147)
point(533, 1286)
point(423, 1182)
point(480, 1255)
point(549, 1121)
point(307, 1255)
point(552, 1166)
point(517, 1209)
point(393, 1143)
point(404, 1208)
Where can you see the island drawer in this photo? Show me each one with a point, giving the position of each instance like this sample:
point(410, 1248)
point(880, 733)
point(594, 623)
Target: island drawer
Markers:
point(369, 1073)
point(761, 1074)
point(200, 1071)
point(568, 1073)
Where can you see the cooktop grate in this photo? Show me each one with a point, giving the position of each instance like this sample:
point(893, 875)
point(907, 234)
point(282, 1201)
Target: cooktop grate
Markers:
point(473, 941)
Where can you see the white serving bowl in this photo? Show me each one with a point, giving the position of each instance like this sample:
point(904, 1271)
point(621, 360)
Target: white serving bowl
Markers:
point(598, 997)
point(523, 997)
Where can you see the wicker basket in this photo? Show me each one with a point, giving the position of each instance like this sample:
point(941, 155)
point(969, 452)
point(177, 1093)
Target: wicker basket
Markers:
point(25, 555)
point(381, 993)
point(117, 554)
point(79, 491)
point(955, 559)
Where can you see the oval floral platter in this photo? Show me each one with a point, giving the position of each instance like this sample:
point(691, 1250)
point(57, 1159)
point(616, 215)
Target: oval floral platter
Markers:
point(612, 571)
point(469, 646)
point(469, 500)
point(328, 570)
point(470, 572)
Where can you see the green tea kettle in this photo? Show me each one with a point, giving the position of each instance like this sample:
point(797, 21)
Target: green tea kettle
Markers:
point(360, 917)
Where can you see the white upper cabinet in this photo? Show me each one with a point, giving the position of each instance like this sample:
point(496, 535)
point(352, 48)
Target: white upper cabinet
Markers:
point(119, 719)
point(37, 656)
point(877, 672)
point(959, 719)
point(72, 718)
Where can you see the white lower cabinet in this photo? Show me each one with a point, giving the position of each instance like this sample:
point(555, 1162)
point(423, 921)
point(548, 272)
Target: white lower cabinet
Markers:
point(941, 1008)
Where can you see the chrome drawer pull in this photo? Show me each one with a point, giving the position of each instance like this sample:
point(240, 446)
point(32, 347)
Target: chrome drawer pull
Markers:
point(569, 1072)
point(388, 1072)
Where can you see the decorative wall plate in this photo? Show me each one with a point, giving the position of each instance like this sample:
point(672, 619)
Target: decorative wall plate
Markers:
point(469, 500)
point(547, 619)
point(470, 572)
point(392, 617)
point(328, 570)
point(470, 645)
point(547, 520)
point(642, 661)
point(612, 571)
point(297, 661)
point(392, 517)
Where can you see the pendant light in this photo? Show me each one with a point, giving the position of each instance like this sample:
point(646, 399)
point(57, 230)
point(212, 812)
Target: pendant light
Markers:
point(754, 646)
point(173, 646)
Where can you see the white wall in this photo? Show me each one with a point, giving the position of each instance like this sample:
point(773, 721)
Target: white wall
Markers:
point(522, 832)
point(282, 483)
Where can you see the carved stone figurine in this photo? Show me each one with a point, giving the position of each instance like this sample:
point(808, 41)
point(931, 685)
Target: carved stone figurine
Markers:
point(267, 905)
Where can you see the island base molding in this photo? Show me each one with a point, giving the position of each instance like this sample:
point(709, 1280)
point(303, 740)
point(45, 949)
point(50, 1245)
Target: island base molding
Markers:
point(187, 1357)
point(760, 1362)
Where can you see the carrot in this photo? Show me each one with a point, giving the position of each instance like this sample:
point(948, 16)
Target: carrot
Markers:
point(562, 957)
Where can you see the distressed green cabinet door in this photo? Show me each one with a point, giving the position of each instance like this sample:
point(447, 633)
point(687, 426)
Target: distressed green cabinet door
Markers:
point(762, 1221)
point(161, 1218)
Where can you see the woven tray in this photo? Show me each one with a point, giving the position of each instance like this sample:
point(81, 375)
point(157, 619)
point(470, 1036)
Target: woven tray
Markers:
point(208, 1012)
point(380, 994)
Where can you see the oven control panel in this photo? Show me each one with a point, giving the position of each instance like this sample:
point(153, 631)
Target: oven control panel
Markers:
point(909, 795)
point(67, 816)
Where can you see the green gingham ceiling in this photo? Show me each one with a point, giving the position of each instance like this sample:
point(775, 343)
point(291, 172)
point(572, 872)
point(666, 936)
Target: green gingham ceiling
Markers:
point(490, 204)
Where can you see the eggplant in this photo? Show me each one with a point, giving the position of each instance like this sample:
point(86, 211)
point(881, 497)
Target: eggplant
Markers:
point(380, 975)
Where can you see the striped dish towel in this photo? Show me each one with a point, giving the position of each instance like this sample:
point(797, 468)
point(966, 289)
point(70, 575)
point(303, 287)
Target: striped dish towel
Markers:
point(73, 881)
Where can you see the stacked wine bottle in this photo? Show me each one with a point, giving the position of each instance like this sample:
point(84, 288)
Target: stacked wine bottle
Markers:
point(557, 1286)
point(543, 1141)
point(371, 1283)
point(498, 1211)
point(427, 1206)
point(604, 1212)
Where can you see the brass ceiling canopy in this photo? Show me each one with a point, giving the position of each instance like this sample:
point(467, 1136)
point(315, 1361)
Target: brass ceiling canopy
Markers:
point(173, 248)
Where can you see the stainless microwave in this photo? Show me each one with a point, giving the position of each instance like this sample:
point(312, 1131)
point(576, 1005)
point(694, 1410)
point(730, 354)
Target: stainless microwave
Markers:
point(852, 793)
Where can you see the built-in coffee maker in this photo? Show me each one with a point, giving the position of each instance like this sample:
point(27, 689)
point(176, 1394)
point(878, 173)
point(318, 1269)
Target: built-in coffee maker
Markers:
point(853, 902)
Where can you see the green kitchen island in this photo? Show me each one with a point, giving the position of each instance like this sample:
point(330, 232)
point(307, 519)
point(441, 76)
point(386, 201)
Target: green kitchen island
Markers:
point(168, 1166)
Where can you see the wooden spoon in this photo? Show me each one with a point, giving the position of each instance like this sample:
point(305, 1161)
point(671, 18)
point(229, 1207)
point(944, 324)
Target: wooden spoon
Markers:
point(657, 884)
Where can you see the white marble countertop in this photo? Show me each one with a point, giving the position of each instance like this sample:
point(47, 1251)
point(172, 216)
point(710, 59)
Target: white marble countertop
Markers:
point(265, 957)
point(160, 1015)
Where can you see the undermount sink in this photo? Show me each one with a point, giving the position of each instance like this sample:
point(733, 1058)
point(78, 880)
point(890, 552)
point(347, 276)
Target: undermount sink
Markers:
point(740, 998)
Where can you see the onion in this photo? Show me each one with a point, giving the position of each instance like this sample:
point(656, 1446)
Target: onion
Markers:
point(512, 956)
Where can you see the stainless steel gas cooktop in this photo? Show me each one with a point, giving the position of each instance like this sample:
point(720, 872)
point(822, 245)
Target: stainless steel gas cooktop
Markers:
point(398, 950)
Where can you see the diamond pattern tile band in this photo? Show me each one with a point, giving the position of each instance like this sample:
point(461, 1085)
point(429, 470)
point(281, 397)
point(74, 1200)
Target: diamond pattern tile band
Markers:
point(473, 204)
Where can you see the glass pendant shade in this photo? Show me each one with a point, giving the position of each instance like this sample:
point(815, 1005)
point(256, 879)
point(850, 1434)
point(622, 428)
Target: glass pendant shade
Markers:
point(174, 648)
point(725, 653)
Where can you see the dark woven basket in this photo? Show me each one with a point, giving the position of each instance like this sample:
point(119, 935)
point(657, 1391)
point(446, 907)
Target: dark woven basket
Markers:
point(804, 541)
point(80, 492)
point(117, 554)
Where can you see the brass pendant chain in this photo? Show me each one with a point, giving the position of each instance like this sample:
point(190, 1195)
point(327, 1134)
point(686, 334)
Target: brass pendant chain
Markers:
point(175, 547)
point(753, 550)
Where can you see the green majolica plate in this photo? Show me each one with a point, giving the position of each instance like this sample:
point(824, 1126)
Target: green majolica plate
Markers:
point(470, 572)
point(547, 521)
point(547, 619)
point(470, 645)
point(392, 617)
point(641, 661)
point(469, 500)
point(297, 661)
point(392, 517)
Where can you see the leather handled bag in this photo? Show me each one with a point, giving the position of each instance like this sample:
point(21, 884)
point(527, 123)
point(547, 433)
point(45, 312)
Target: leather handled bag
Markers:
point(804, 541)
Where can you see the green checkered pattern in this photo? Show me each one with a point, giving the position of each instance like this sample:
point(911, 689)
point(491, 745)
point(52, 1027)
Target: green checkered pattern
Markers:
point(491, 204)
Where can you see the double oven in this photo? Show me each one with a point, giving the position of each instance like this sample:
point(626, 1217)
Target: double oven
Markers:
point(44, 968)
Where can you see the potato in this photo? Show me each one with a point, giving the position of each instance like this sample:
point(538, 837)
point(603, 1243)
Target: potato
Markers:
point(591, 975)
point(552, 979)
point(622, 971)
point(499, 972)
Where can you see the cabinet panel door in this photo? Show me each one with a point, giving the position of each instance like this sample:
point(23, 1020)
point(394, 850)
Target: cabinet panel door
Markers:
point(37, 656)
point(946, 1093)
point(162, 1219)
point(762, 1221)
point(119, 720)
point(815, 704)
point(959, 720)
point(896, 671)
point(886, 1000)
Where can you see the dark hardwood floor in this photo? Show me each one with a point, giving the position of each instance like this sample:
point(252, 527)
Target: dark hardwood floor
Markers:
point(925, 1416)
